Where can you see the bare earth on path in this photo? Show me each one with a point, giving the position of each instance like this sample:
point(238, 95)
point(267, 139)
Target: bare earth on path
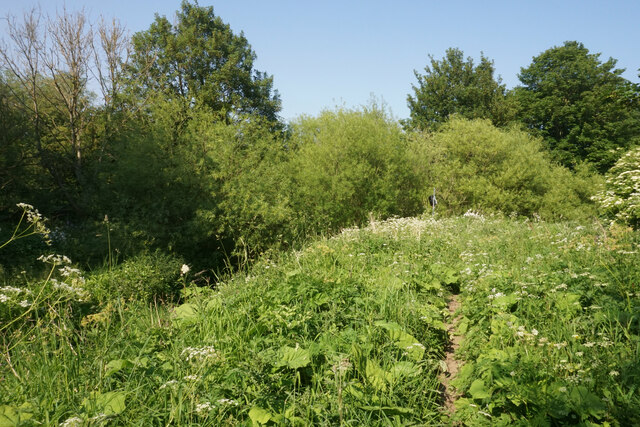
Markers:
point(453, 365)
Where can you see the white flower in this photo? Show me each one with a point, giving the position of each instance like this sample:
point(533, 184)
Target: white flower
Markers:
point(72, 422)
point(192, 378)
point(170, 383)
point(203, 353)
point(230, 402)
point(534, 332)
point(202, 408)
point(184, 269)
point(614, 373)
point(562, 389)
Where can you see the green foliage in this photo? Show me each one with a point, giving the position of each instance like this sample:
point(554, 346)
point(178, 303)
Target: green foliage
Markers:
point(245, 168)
point(144, 277)
point(454, 86)
point(549, 335)
point(582, 107)
point(200, 61)
point(620, 198)
point(350, 329)
point(349, 164)
point(477, 166)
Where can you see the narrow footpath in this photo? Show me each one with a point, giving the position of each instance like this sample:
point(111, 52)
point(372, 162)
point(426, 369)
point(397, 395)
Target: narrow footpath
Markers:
point(453, 365)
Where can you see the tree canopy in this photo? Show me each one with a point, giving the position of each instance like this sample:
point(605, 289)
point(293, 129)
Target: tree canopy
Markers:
point(200, 61)
point(582, 107)
point(455, 86)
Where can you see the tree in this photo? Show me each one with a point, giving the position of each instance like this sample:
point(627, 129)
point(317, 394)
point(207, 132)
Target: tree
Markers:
point(582, 107)
point(199, 61)
point(454, 86)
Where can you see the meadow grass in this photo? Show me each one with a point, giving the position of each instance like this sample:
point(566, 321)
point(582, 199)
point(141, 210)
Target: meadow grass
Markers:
point(349, 330)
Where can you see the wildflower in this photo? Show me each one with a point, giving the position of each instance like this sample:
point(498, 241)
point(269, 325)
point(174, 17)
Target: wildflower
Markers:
point(534, 332)
point(192, 378)
point(229, 402)
point(72, 422)
point(416, 344)
point(202, 408)
point(562, 389)
point(4, 298)
point(203, 353)
point(512, 373)
point(579, 354)
point(575, 336)
point(24, 303)
point(25, 206)
point(342, 366)
point(170, 383)
point(184, 269)
point(54, 259)
point(67, 271)
point(614, 373)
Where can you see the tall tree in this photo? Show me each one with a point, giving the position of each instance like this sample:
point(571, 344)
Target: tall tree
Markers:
point(582, 107)
point(200, 61)
point(454, 85)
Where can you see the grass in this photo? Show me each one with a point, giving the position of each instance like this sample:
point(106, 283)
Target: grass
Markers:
point(349, 330)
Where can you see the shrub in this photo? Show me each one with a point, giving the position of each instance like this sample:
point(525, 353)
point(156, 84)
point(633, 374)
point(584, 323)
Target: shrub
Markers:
point(144, 277)
point(475, 165)
point(620, 198)
point(348, 164)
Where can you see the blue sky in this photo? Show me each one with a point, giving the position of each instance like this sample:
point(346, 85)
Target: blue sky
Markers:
point(328, 53)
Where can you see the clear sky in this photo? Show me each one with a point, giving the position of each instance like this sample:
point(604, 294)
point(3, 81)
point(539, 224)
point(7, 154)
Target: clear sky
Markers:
point(341, 52)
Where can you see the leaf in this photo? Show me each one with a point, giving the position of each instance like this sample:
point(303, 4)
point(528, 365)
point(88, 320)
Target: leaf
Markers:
point(259, 415)
point(11, 416)
point(117, 365)
point(478, 390)
point(403, 340)
point(112, 403)
point(109, 403)
point(376, 376)
point(186, 313)
point(404, 369)
point(294, 358)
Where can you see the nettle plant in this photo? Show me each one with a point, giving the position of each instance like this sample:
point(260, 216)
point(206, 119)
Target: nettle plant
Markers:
point(620, 198)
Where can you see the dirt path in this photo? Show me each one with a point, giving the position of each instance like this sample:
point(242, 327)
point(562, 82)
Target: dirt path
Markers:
point(453, 365)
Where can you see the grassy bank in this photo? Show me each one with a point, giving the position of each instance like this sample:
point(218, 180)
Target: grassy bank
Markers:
point(350, 330)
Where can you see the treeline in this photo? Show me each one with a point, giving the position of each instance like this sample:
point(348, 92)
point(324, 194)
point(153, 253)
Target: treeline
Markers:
point(182, 148)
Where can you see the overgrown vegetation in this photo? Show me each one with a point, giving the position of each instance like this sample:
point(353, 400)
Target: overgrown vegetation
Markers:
point(205, 288)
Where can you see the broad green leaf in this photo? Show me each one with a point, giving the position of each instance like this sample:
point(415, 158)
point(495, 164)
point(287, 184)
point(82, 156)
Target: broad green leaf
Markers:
point(403, 340)
point(112, 403)
point(109, 403)
point(186, 313)
point(11, 416)
point(478, 390)
point(259, 415)
point(376, 376)
point(404, 369)
point(117, 365)
point(294, 358)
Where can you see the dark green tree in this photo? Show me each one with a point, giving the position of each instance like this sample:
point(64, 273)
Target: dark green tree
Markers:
point(199, 61)
point(583, 108)
point(455, 86)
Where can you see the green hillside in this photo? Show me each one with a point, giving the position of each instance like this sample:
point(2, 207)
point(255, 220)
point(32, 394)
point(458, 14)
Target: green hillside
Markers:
point(349, 330)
